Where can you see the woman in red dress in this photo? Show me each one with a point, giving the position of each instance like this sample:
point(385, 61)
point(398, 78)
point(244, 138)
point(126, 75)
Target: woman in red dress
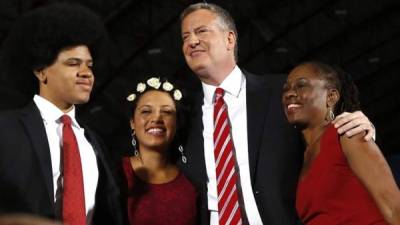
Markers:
point(157, 192)
point(344, 180)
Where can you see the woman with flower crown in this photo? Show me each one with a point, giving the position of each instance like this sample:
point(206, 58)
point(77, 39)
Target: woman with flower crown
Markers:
point(157, 192)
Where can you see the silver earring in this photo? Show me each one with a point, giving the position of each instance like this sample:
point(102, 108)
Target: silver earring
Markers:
point(135, 151)
point(184, 159)
point(330, 115)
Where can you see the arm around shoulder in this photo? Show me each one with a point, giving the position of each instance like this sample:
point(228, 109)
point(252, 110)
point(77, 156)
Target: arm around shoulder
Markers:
point(369, 165)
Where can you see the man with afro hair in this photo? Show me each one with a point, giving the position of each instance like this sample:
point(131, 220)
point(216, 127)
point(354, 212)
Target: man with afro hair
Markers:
point(50, 164)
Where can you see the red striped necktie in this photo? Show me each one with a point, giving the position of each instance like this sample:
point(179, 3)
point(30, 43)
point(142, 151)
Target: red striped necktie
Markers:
point(228, 202)
point(73, 203)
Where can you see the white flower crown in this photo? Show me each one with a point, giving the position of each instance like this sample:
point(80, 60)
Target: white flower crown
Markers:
point(155, 83)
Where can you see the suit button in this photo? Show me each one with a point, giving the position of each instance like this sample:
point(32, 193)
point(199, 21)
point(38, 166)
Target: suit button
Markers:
point(256, 192)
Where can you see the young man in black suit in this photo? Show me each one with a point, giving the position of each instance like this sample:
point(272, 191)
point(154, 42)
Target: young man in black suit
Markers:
point(53, 49)
point(267, 152)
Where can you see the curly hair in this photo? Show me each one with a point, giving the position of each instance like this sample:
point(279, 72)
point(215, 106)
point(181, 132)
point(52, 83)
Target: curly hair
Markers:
point(337, 78)
point(38, 37)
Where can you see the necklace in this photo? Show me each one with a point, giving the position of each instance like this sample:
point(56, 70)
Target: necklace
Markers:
point(315, 141)
point(312, 143)
point(310, 153)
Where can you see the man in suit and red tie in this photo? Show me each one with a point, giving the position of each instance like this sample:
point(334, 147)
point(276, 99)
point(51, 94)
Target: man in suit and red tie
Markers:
point(245, 165)
point(50, 164)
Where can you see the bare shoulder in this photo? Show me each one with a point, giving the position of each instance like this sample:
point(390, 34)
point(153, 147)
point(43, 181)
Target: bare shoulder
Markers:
point(358, 146)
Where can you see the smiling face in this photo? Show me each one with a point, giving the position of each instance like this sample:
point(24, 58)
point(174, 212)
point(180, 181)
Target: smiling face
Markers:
point(69, 80)
point(208, 47)
point(154, 120)
point(306, 97)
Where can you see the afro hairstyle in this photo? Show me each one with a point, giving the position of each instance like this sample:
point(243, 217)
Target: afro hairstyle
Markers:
point(38, 36)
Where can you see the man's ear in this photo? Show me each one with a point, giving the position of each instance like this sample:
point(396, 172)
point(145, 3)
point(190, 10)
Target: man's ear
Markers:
point(231, 40)
point(332, 97)
point(39, 73)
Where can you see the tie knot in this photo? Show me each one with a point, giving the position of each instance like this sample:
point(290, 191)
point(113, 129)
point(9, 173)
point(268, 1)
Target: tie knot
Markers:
point(219, 93)
point(66, 120)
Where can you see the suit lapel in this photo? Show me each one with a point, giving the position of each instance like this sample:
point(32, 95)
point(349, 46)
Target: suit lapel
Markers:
point(89, 135)
point(196, 166)
point(194, 147)
point(257, 101)
point(101, 159)
point(107, 192)
point(33, 123)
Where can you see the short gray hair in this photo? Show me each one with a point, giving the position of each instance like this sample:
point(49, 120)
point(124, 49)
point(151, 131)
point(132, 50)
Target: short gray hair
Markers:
point(223, 15)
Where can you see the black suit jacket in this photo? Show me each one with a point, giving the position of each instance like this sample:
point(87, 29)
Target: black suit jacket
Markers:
point(275, 152)
point(26, 183)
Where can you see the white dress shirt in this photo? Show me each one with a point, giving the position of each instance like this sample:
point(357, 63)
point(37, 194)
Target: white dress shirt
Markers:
point(235, 98)
point(51, 119)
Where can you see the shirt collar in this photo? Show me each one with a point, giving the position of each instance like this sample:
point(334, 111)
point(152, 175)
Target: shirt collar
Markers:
point(232, 85)
point(50, 112)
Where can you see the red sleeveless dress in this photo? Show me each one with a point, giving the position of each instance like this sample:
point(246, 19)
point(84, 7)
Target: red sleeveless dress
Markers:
point(160, 204)
point(330, 193)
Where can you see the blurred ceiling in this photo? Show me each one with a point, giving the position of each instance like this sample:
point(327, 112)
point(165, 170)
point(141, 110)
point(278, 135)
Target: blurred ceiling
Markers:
point(363, 36)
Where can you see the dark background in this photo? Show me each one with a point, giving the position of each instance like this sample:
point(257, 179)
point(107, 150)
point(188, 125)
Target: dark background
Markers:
point(362, 36)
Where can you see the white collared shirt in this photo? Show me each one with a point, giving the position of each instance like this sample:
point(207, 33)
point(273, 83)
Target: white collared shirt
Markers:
point(51, 119)
point(235, 98)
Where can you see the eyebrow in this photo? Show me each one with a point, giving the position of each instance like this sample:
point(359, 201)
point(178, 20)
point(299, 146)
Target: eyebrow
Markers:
point(202, 26)
point(298, 79)
point(141, 106)
point(79, 59)
point(195, 29)
point(168, 106)
point(151, 106)
point(302, 78)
